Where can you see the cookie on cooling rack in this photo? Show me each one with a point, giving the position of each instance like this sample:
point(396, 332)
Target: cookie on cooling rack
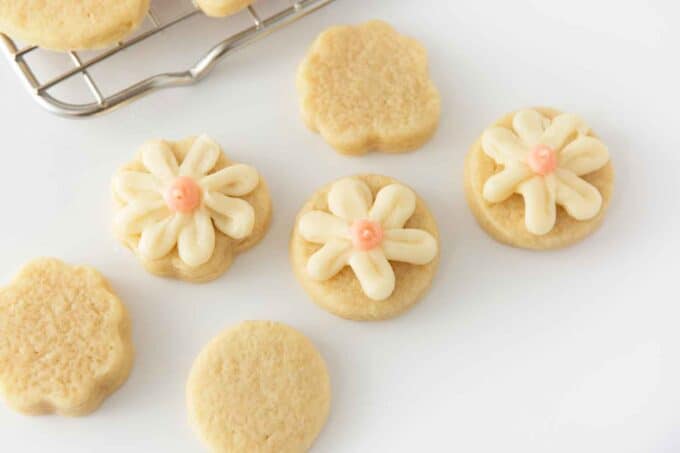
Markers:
point(65, 343)
point(259, 387)
point(539, 179)
point(185, 210)
point(368, 88)
point(71, 24)
point(221, 8)
point(365, 247)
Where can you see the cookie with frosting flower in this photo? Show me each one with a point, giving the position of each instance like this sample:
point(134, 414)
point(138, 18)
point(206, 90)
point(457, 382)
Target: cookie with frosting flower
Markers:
point(539, 179)
point(186, 210)
point(368, 87)
point(365, 247)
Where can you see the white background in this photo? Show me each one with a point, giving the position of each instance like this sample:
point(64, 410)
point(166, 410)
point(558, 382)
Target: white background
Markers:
point(512, 351)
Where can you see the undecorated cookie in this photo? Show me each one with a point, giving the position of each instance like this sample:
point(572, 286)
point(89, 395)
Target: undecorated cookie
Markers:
point(539, 179)
point(65, 341)
point(71, 24)
point(365, 247)
point(221, 8)
point(259, 387)
point(368, 88)
point(185, 210)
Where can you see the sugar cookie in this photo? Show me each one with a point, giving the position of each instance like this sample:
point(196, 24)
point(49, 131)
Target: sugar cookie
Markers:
point(260, 386)
point(71, 24)
point(539, 179)
point(221, 8)
point(65, 341)
point(365, 247)
point(185, 210)
point(367, 88)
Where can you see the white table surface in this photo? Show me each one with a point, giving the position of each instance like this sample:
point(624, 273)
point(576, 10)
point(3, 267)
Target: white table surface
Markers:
point(512, 351)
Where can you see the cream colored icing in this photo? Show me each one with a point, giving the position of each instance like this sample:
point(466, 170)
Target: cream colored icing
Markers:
point(160, 226)
point(543, 185)
point(353, 211)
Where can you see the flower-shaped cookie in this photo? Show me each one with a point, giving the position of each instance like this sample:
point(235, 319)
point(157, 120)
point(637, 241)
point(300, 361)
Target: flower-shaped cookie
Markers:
point(545, 159)
point(366, 235)
point(368, 88)
point(65, 339)
point(221, 8)
point(183, 206)
point(71, 24)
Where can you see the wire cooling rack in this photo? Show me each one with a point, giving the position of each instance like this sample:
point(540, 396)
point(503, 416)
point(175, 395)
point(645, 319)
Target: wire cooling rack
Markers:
point(42, 88)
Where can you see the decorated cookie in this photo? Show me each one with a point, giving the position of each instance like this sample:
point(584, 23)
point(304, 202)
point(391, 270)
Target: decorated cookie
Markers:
point(185, 210)
point(259, 387)
point(365, 247)
point(64, 339)
point(539, 179)
point(71, 24)
point(221, 8)
point(367, 88)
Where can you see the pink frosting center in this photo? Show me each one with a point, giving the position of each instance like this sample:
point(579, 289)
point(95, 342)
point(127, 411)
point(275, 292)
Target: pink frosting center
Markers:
point(542, 159)
point(183, 195)
point(366, 235)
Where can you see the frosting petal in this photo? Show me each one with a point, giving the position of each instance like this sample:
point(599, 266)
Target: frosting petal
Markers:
point(530, 126)
point(201, 158)
point(349, 199)
point(232, 216)
point(196, 241)
point(579, 198)
point(539, 204)
point(159, 239)
point(236, 180)
point(409, 246)
point(561, 129)
point(394, 205)
point(134, 217)
point(329, 259)
point(158, 158)
point(584, 155)
point(503, 184)
point(132, 185)
point(374, 273)
point(503, 146)
point(321, 227)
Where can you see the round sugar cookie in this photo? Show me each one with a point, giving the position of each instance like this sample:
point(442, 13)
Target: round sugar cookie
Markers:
point(365, 247)
point(186, 211)
point(65, 341)
point(368, 87)
point(539, 179)
point(221, 8)
point(71, 24)
point(260, 386)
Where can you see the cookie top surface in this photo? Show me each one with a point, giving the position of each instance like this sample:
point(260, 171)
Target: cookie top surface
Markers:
point(365, 247)
point(368, 87)
point(65, 340)
point(221, 8)
point(186, 210)
point(71, 24)
point(539, 179)
point(260, 386)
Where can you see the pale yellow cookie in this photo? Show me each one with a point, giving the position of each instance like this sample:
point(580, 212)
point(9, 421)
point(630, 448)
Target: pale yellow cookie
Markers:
point(221, 8)
point(368, 88)
point(259, 387)
point(71, 24)
point(65, 340)
point(185, 210)
point(539, 179)
point(365, 247)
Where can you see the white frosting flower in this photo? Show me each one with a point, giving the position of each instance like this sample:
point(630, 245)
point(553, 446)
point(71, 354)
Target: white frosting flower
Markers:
point(169, 204)
point(543, 160)
point(365, 237)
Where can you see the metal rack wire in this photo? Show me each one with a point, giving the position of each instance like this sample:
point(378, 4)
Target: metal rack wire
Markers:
point(102, 102)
